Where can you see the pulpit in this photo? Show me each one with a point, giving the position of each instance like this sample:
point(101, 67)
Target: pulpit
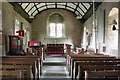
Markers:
point(13, 45)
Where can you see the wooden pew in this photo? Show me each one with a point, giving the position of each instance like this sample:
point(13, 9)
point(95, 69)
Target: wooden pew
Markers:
point(14, 75)
point(100, 67)
point(76, 57)
point(90, 74)
point(20, 61)
point(26, 69)
point(89, 62)
point(34, 61)
point(72, 56)
point(96, 66)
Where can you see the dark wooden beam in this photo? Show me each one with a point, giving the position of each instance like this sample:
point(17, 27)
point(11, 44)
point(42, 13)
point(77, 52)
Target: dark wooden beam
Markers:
point(90, 12)
point(77, 10)
point(21, 11)
point(36, 8)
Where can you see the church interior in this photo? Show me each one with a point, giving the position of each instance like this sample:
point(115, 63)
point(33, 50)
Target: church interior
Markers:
point(59, 39)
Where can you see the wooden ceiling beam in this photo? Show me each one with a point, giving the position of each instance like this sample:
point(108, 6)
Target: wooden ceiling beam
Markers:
point(21, 11)
point(90, 12)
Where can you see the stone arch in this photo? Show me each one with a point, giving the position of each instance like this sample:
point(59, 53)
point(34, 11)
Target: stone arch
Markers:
point(112, 35)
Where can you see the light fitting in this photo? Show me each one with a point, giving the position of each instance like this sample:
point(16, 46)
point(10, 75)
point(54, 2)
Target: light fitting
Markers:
point(113, 28)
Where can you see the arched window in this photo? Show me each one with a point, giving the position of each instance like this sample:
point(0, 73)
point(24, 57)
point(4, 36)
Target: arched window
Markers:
point(17, 26)
point(56, 26)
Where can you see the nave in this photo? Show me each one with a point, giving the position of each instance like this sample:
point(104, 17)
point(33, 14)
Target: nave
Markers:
point(59, 40)
point(69, 67)
point(54, 67)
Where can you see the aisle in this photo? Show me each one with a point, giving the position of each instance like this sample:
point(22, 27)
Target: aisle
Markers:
point(55, 68)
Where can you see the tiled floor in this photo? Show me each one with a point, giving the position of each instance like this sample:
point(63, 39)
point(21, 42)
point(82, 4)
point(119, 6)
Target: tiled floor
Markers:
point(54, 68)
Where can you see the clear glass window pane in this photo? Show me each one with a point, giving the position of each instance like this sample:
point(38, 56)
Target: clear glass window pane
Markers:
point(40, 5)
point(60, 6)
point(35, 13)
point(59, 30)
point(51, 6)
point(52, 29)
point(56, 26)
point(42, 8)
point(17, 24)
point(71, 5)
point(24, 5)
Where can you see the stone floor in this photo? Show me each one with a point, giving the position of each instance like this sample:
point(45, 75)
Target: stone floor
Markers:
point(54, 68)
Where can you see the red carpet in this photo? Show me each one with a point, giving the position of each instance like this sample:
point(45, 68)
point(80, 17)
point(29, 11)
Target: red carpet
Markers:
point(55, 54)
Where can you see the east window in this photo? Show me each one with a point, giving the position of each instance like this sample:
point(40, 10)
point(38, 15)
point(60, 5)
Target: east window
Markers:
point(56, 29)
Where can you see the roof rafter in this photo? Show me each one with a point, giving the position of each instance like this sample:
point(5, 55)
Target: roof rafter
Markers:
point(90, 12)
point(37, 7)
point(21, 11)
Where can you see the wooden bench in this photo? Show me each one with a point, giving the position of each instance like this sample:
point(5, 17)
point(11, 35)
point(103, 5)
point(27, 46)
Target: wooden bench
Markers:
point(96, 66)
point(110, 74)
point(77, 57)
point(14, 75)
point(72, 56)
point(26, 69)
point(24, 60)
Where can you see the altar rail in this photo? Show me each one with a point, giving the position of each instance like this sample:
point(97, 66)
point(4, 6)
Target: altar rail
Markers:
point(55, 49)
